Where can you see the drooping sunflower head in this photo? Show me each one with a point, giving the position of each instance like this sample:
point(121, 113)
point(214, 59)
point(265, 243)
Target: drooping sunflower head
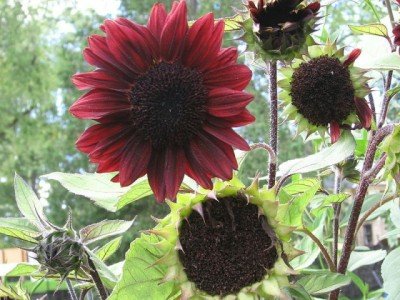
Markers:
point(166, 98)
point(281, 27)
point(225, 243)
point(325, 90)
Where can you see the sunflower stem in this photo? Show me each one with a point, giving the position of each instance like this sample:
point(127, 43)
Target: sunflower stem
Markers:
point(337, 209)
point(273, 89)
point(369, 172)
point(97, 280)
point(71, 290)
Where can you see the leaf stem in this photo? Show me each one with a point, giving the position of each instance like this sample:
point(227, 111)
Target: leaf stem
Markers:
point(324, 252)
point(373, 209)
point(273, 89)
point(97, 280)
point(71, 289)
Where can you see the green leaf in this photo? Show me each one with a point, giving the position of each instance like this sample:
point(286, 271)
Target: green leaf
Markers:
point(373, 29)
point(291, 212)
point(24, 269)
point(103, 229)
point(296, 292)
point(359, 283)
point(14, 291)
point(324, 282)
point(29, 204)
point(365, 258)
point(108, 249)
point(101, 190)
point(233, 23)
point(137, 191)
point(138, 278)
point(19, 228)
point(393, 92)
point(108, 278)
point(332, 155)
point(391, 274)
point(386, 63)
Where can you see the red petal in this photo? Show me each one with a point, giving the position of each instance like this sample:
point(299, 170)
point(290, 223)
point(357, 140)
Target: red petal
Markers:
point(134, 161)
point(175, 162)
point(315, 6)
point(100, 103)
point(127, 47)
point(110, 145)
point(335, 132)
point(91, 136)
point(242, 119)
point(99, 79)
point(100, 56)
point(197, 41)
point(157, 19)
point(364, 112)
point(111, 164)
point(225, 57)
point(352, 57)
point(211, 157)
point(144, 39)
point(155, 172)
point(225, 102)
point(195, 171)
point(235, 77)
point(228, 136)
point(174, 33)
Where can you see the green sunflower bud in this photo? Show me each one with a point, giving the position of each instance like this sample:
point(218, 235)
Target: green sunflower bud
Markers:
point(60, 253)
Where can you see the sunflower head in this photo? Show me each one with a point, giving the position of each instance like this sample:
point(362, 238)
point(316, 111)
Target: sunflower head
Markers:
point(60, 253)
point(225, 242)
point(324, 90)
point(280, 27)
point(166, 98)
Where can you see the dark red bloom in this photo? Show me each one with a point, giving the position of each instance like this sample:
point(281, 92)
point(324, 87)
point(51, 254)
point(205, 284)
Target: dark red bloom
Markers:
point(396, 32)
point(166, 98)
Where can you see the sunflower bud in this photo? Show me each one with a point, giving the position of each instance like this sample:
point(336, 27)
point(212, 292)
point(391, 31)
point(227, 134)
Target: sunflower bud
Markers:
point(59, 253)
point(280, 27)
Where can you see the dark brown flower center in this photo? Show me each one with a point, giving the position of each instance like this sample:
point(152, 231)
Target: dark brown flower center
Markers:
point(322, 91)
point(228, 250)
point(169, 104)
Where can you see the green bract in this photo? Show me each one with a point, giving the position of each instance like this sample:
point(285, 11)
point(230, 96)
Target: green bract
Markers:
point(391, 146)
point(154, 258)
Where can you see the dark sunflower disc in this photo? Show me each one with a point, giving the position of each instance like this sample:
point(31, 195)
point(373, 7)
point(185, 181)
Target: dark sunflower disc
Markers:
point(228, 250)
point(322, 91)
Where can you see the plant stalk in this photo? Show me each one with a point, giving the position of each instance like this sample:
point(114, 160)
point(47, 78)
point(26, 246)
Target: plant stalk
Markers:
point(71, 289)
point(273, 140)
point(97, 280)
point(337, 207)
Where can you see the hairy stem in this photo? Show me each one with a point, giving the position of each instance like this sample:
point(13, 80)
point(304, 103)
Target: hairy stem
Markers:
point(273, 89)
point(71, 290)
point(97, 280)
point(324, 252)
point(337, 207)
point(386, 100)
point(367, 175)
point(266, 147)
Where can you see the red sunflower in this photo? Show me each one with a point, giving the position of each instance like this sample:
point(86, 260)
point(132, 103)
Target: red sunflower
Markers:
point(165, 98)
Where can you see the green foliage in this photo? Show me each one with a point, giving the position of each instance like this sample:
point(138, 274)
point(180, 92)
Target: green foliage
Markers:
point(323, 282)
point(329, 156)
point(390, 274)
point(373, 29)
